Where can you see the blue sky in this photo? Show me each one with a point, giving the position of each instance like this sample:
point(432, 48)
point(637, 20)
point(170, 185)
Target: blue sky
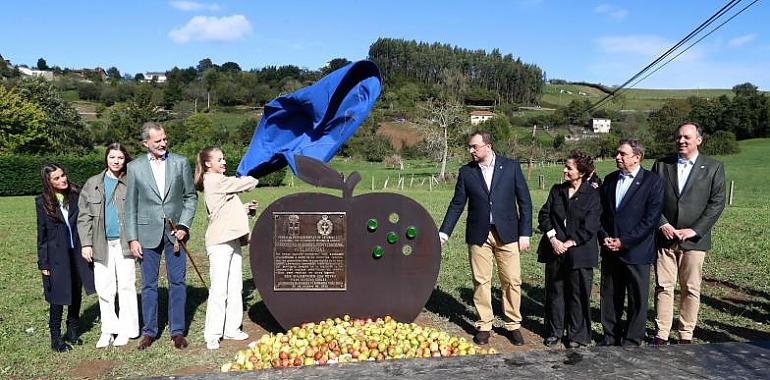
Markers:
point(596, 41)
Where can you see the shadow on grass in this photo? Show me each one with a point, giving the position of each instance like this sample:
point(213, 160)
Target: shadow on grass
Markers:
point(259, 314)
point(461, 312)
point(446, 306)
point(88, 318)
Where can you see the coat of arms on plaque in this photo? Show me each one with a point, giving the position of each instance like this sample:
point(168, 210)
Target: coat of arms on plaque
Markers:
point(325, 226)
point(293, 225)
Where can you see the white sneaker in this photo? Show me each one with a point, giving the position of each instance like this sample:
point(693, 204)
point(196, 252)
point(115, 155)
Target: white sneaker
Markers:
point(238, 335)
point(104, 340)
point(212, 344)
point(121, 340)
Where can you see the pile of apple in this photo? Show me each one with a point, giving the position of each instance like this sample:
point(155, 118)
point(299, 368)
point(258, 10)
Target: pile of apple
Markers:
point(344, 340)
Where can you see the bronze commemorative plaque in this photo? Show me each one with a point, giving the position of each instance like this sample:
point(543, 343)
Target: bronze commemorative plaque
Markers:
point(309, 251)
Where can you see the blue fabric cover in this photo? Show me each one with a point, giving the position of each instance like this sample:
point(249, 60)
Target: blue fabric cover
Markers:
point(314, 121)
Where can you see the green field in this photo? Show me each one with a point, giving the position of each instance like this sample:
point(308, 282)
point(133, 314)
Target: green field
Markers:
point(639, 99)
point(736, 295)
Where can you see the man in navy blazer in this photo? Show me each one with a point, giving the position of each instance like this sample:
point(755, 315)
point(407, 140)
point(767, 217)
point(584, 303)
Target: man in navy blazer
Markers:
point(496, 230)
point(632, 200)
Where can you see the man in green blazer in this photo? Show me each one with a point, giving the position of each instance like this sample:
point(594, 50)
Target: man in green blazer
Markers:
point(160, 187)
point(694, 198)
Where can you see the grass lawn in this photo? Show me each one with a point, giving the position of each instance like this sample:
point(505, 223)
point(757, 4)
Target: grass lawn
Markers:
point(640, 99)
point(736, 295)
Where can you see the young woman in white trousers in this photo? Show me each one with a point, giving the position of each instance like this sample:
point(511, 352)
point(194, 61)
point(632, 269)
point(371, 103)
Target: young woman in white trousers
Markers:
point(100, 227)
point(227, 231)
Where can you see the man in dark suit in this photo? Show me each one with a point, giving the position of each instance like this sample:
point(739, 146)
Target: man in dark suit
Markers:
point(694, 198)
point(496, 230)
point(632, 198)
point(160, 187)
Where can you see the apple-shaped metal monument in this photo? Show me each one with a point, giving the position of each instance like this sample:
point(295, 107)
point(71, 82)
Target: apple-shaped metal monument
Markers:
point(315, 255)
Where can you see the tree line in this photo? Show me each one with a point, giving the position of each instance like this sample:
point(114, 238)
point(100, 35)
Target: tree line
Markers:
point(465, 74)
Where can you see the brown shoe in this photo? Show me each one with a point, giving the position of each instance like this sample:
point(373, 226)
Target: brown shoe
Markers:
point(659, 342)
point(145, 343)
point(515, 337)
point(179, 341)
point(481, 338)
point(685, 341)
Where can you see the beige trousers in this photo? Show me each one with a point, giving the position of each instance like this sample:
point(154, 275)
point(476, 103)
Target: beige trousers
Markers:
point(687, 266)
point(482, 258)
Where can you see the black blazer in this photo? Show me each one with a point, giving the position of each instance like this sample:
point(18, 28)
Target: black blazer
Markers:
point(700, 204)
point(54, 254)
point(582, 214)
point(508, 190)
point(636, 218)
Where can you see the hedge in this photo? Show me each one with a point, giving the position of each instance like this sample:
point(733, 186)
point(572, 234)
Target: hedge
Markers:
point(20, 174)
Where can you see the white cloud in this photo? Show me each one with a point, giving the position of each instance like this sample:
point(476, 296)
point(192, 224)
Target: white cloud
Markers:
point(611, 11)
point(194, 6)
point(742, 40)
point(202, 28)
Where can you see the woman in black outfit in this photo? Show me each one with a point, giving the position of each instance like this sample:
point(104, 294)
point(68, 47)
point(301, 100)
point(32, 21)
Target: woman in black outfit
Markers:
point(569, 221)
point(64, 270)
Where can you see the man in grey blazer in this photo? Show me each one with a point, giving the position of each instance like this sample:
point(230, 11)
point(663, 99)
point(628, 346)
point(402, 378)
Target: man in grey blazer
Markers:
point(160, 187)
point(694, 187)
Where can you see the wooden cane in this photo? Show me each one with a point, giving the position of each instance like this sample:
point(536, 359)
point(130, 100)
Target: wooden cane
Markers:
point(186, 251)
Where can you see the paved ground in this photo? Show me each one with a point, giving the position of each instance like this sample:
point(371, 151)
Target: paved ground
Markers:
point(703, 361)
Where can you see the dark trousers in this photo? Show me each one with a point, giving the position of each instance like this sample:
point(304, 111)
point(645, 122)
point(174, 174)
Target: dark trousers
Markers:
point(618, 280)
point(176, 271)
point(56, 312)
point(568, 296)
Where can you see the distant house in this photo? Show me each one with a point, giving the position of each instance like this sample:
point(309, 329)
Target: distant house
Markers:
point(601, 125)
point(478, 117)
point(27, 72)
point(158, 77)
point(85, 73)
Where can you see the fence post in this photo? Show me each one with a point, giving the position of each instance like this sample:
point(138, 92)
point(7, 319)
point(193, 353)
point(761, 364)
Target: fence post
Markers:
point(411, 181)
point(732, 191)
point(372, 183)
point(430, 184)
point(385, 186)
point(541, 182)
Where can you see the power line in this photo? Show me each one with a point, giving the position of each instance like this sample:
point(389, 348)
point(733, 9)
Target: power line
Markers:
point(721, 12)
point(691, 45)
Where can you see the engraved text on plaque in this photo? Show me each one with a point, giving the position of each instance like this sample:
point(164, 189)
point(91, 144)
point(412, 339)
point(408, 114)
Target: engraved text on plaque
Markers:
point(309, 251)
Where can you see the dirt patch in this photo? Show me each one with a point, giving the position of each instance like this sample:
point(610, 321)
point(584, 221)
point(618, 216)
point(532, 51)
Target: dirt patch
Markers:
point(732, 293)
point(93, 368)
point(400, 134)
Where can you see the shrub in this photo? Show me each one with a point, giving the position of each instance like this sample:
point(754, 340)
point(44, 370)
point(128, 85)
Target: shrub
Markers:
point(21, 173)
point(720, 142)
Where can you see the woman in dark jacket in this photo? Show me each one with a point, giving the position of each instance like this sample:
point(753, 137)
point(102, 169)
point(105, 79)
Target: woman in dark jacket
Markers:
point(64, 271)
point(569, 221)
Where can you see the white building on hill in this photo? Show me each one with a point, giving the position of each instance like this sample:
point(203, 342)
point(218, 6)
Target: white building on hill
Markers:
point(601, 125)
point(27, 72)
point(478, 117)
point(157, 76)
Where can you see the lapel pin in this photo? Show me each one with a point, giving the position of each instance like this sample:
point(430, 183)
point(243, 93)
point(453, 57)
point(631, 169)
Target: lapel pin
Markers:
point(702, 167)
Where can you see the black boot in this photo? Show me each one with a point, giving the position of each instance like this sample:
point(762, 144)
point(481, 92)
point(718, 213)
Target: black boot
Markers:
point(54, 324)
point(72, 336)
point(57, 344)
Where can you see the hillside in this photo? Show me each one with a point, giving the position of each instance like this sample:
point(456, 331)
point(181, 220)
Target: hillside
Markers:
point(637, 99)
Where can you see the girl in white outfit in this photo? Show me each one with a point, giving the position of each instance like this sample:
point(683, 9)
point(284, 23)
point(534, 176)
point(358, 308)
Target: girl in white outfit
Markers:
point(100, 226)
point(228, 230)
